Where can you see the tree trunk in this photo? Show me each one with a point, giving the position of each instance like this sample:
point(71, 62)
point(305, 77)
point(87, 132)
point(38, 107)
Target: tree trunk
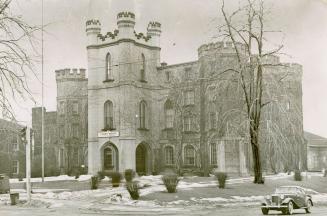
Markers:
point(258, 179)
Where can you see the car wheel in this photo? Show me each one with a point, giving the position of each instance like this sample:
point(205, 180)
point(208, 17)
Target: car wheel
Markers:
point(308, 208)
point(290, 208)
point(265, 211)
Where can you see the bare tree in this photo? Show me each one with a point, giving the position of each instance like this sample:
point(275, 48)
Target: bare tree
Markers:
point(250, 66)
point(16, 41)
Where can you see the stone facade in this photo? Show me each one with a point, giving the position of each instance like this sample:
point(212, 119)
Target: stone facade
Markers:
point(65, 131)
point(50, 142)
point(150, 116)
point(71, 149)
point(12, 149)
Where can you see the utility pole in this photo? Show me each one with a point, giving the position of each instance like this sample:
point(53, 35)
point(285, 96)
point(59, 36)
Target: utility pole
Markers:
point(42, 118)
point(28, 163)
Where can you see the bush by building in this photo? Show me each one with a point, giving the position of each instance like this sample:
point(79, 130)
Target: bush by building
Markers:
point(221, 177)
point(170, 180)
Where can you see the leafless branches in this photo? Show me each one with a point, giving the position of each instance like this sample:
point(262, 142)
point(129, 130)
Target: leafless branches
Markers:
point(16, 46)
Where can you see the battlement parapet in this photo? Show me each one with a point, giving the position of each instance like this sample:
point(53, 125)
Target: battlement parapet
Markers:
point(126, 19)
point(141, 36)
point(154, 28)
point(125, 14)
point(93, 22)
point(109, 35)
point(68, 73)
point(221, 47)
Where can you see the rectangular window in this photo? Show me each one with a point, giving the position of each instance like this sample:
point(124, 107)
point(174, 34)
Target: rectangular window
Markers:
point(213, 151)
point(169, 155)
point(14, 144)
point(75, 108)
point(189, 156)
point(170, 118)
point(62, 108)
point(167, 76)
point(75, 130)
point(15, 167)
point(212, 117)
point(61, 157)
point(187, 123)
point(187, 73)
point(62, 131)
point(189, 97)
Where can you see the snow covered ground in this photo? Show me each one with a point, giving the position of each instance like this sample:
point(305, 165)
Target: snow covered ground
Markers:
point(148, 184)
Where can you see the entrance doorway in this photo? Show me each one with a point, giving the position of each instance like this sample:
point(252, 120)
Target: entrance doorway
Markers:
point(140, 156)
point(110, 158)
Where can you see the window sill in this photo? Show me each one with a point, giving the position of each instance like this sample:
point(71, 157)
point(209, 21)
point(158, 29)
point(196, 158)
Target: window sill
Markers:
point(189, 105)
point(108, 129)
point(142, 129)
point(108, 80)
point(189, 132)
point(168, 129)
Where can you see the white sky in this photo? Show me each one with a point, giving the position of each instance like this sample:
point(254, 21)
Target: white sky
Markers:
point(187, 24)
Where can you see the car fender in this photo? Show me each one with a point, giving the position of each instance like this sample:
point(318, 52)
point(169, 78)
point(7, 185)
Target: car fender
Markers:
point(287, 200)
point(309, 198)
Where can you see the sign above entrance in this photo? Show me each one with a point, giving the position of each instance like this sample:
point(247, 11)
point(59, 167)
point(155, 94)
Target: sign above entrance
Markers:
point(108, 134)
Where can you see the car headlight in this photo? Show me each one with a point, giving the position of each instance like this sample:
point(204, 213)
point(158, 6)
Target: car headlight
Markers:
point(282, 196)
point(268, 197)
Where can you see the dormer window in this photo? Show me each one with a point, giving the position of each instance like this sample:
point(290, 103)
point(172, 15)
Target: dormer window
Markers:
point(142, 70)
point(109, 73)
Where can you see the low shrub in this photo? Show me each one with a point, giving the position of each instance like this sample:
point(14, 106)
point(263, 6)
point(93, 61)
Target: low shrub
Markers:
point(170, 181)
point(115, 179)
point(133, 189)
point(297, 175)
point(221, 177)
point(129, 175)
point(94, 182)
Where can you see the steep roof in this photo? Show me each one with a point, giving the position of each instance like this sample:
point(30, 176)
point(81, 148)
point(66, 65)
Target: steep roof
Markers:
point(315, 140)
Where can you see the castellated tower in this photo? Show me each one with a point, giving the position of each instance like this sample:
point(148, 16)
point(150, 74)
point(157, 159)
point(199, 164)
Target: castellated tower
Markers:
point(71, 118)
point(122, 71)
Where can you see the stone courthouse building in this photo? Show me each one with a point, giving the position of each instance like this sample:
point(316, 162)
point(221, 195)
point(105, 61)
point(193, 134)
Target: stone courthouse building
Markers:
point(135, 112)
point(149, 116)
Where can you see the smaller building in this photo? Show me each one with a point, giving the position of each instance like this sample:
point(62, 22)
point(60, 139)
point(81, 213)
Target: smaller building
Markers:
point(317, 151)
point(12, 149)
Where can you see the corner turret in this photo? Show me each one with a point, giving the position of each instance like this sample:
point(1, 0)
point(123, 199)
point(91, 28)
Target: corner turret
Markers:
point(154, 31)
point(126, 23)
point(93, 29)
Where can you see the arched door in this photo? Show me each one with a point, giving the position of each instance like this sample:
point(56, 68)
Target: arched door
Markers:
point(110, 158)
point(140, 156)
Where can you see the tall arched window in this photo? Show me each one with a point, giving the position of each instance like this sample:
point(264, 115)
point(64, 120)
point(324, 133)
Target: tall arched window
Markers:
point(142, 113)
point(108, 115)
point(213, 153)
point(189, 155)
point(109, 75)
point(169, 155)
point(142, 71)
point(169, 114)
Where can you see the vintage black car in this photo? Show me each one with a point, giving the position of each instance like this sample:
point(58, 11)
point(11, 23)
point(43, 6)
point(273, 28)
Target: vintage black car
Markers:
point(286, 199)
